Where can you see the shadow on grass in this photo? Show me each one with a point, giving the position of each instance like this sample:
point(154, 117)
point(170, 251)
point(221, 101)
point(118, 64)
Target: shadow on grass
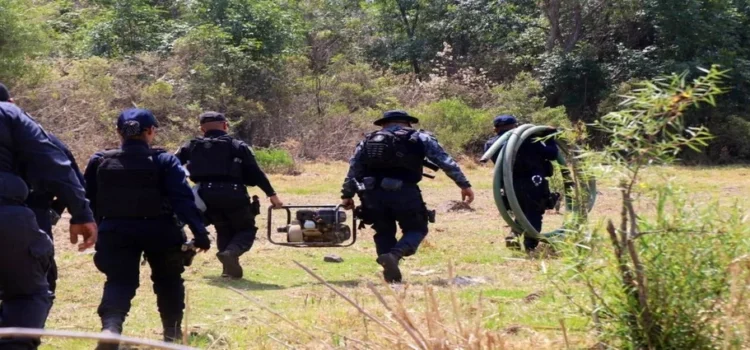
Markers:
point(242, 284)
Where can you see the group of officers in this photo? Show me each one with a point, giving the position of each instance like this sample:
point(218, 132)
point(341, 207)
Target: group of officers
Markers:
point(133, 201)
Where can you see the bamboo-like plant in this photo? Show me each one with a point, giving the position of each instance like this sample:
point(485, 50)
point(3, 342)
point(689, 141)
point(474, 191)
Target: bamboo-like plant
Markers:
point(656, 279)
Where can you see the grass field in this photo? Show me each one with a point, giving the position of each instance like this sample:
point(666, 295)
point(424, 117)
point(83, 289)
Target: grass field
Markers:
point(517, 301)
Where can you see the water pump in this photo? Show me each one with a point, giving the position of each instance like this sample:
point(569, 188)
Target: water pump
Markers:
point(315, 226)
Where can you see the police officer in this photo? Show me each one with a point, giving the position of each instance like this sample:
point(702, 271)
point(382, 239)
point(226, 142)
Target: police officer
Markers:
point(530, 171)
point(384, 171)
point(223, 166)
point(141, 198)
point(27, 156)
point(46, 208)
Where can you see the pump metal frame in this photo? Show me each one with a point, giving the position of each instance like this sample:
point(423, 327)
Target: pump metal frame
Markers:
point(288, 209)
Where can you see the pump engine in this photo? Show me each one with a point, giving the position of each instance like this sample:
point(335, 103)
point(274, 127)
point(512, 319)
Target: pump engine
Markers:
point(319, 226)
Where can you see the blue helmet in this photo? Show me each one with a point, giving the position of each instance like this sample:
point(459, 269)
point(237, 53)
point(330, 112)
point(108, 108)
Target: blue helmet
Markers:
point(504, 119)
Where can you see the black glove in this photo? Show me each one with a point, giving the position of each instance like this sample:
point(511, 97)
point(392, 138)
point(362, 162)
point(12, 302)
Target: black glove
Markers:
point(202, 241)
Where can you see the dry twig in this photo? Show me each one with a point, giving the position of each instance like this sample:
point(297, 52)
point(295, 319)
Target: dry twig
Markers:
point(102, 337)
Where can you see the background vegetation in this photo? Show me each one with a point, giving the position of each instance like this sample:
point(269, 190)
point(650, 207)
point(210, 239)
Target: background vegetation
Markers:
point(318, 71)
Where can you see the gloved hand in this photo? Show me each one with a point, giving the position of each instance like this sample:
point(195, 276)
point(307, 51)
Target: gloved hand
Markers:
point(202, 242)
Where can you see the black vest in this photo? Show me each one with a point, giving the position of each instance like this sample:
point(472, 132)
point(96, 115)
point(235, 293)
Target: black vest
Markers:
point(129, 185)
point(215, 159)
point(396, 154)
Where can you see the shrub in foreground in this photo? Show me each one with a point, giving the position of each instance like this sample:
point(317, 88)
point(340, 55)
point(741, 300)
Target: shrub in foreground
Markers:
point(664, 274)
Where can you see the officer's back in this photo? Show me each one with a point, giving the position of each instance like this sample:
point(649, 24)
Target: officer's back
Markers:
point(141, 197)
point(222, 167)
point(28, 156)
point(42, 201)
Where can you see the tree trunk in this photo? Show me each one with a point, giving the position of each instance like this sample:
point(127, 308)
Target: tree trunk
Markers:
point(551, 9)
point(410, 27)
point(577, 27)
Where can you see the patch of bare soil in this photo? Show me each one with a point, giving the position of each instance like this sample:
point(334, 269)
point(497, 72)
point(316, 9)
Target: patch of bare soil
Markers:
point(454, 206)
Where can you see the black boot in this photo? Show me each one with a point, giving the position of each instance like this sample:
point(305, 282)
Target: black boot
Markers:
point(112, 325)
point(172, 328)
point(231, 263)
point(391, 272)
point(173, 334)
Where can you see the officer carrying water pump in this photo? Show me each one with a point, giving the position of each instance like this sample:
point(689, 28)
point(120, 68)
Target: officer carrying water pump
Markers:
point(223, 166)
point(385, 171)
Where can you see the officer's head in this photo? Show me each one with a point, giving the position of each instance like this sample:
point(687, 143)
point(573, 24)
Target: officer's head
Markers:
point(396, 117)
point(213, 121)
point(504, 122)
point(137, 124)
point(5, 94)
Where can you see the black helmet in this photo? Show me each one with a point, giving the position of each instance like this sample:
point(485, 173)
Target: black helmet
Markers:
point(396, 115)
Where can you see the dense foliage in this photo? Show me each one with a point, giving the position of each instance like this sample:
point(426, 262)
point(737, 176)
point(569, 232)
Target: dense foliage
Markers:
point(316, 71)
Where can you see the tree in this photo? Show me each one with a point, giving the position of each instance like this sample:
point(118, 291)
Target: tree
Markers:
point(22, 39)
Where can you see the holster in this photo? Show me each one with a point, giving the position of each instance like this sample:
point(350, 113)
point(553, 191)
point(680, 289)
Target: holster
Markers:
point(188, 253)
point(54, 217)
point(361, 213)
point(187, 257)
point(552, 200)
point(255, 205)
point(431, 214)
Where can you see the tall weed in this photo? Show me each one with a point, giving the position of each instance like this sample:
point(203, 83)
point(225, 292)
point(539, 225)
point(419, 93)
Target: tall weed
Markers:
point(658, 279)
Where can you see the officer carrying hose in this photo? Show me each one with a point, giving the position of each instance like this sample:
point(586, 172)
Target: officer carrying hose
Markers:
point(384, 172)
point(223, 166)
point(530, 172)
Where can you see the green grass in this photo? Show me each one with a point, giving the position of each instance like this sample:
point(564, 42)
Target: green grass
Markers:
point(274, 160)
point(223, 319)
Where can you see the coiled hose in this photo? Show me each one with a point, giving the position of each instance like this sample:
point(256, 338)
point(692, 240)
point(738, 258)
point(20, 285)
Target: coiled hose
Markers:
point(508, 146)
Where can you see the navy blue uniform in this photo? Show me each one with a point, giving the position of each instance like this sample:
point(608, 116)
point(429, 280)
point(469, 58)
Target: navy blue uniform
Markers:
point(405, 206)
point(529, 179)
point(27, 156)
point(44, 203)
point(223, 167)
point(122, 240)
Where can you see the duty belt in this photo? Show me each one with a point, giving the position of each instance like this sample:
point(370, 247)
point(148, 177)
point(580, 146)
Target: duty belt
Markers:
point(371, 183)
point(223, 185)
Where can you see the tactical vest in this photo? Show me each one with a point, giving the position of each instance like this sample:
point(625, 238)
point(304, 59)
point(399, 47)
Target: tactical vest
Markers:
point(397, 154)
point(129, 185)
point(215, 159)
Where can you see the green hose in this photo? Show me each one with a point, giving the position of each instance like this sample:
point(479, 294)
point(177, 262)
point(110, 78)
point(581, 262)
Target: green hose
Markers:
point(508, 146)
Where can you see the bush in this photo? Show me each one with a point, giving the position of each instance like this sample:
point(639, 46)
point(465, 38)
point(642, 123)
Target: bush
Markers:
point(275, 161)
point(732, 141)
point(454, 123)
point(522, 98)
point(657, 280)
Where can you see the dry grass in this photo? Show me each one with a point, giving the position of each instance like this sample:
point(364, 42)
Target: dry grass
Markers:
point(514, 307)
